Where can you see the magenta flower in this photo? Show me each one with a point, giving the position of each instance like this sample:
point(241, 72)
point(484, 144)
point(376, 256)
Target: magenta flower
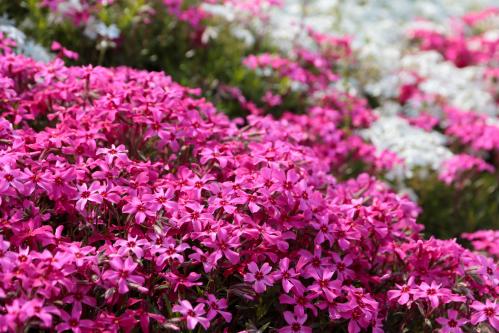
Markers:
point(62, 183)
point(80, 295)
point(163, 198)
point(169, 250)
point(341, 265)
point(325, 230)
point(360, 317)
point(259, 276)
point(140, 208)
point(324, 285)
point(488, 311)
point(404, 292)
point(432, 293)
point(43, 312)
point(113, 153)
point(286, 275)
point(216, 306)
point(222, 244)
point(122, 273)
point(201, 257)
point(451, 324)
point(209, 154)
point(300, 299)
point(191, 315)
point(295, 323)
point(73, 322)
point(92, 194)
point(10, 177)
point(32, 180)
point(131, 245)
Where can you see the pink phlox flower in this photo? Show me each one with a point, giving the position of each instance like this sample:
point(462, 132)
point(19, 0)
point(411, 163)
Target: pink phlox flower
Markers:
point(73, 322)
point(295, 323)
point(123, 272)
point(288, 276)
point(113, 153)
point(89, 194)
point(192, 316)
point(488, 311)
point(216, 306)
point(131, 245)
point(324, 285)
point(141, 209)
point(223, 244)
point(260, 277)
point(451, 324)
point(404, 293)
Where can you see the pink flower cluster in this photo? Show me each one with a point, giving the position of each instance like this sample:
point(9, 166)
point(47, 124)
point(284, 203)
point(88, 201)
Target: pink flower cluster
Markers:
point(469, 40)
point(485, 241)
point(128, 202)
point(455, 167)
point(466, 44)
point(472, 129)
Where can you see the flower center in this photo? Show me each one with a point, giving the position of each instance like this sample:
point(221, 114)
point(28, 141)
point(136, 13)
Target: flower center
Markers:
point(356, 313)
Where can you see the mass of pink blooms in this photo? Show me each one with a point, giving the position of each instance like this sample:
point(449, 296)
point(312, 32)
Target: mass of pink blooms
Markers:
point(465, 45)
point(129, 202)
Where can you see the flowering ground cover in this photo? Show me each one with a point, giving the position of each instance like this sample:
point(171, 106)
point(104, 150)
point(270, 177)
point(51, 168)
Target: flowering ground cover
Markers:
point(270, 184)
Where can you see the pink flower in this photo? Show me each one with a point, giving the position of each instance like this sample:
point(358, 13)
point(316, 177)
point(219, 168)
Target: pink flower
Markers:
point(113, 153)
point(485, 311)
point(63, 52)
point(260, 276)
point(73, 322)
point(209, 154)
point(299, 299)
point(10, 177)
point(286, 275)
point(295, 323)
point(169, 250)
point(192, 316)
point(86, 194)
point(430, 292)
point(80, 295)
point(325, 230)
point(271, 99)
point(140, 208)
point(131, 245)
point(324, 285)
point(222, 244)
point(451, 324)
point(122, 273)
point(216, 306)
point(404, 292)
point(342, 265)
point(360, 316)
point(43, 312)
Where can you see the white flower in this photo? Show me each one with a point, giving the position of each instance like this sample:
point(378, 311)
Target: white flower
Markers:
point(421, 151)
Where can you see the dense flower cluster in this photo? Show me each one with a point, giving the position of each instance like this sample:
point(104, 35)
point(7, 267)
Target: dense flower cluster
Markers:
point(464, 108)
point(129, 202)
